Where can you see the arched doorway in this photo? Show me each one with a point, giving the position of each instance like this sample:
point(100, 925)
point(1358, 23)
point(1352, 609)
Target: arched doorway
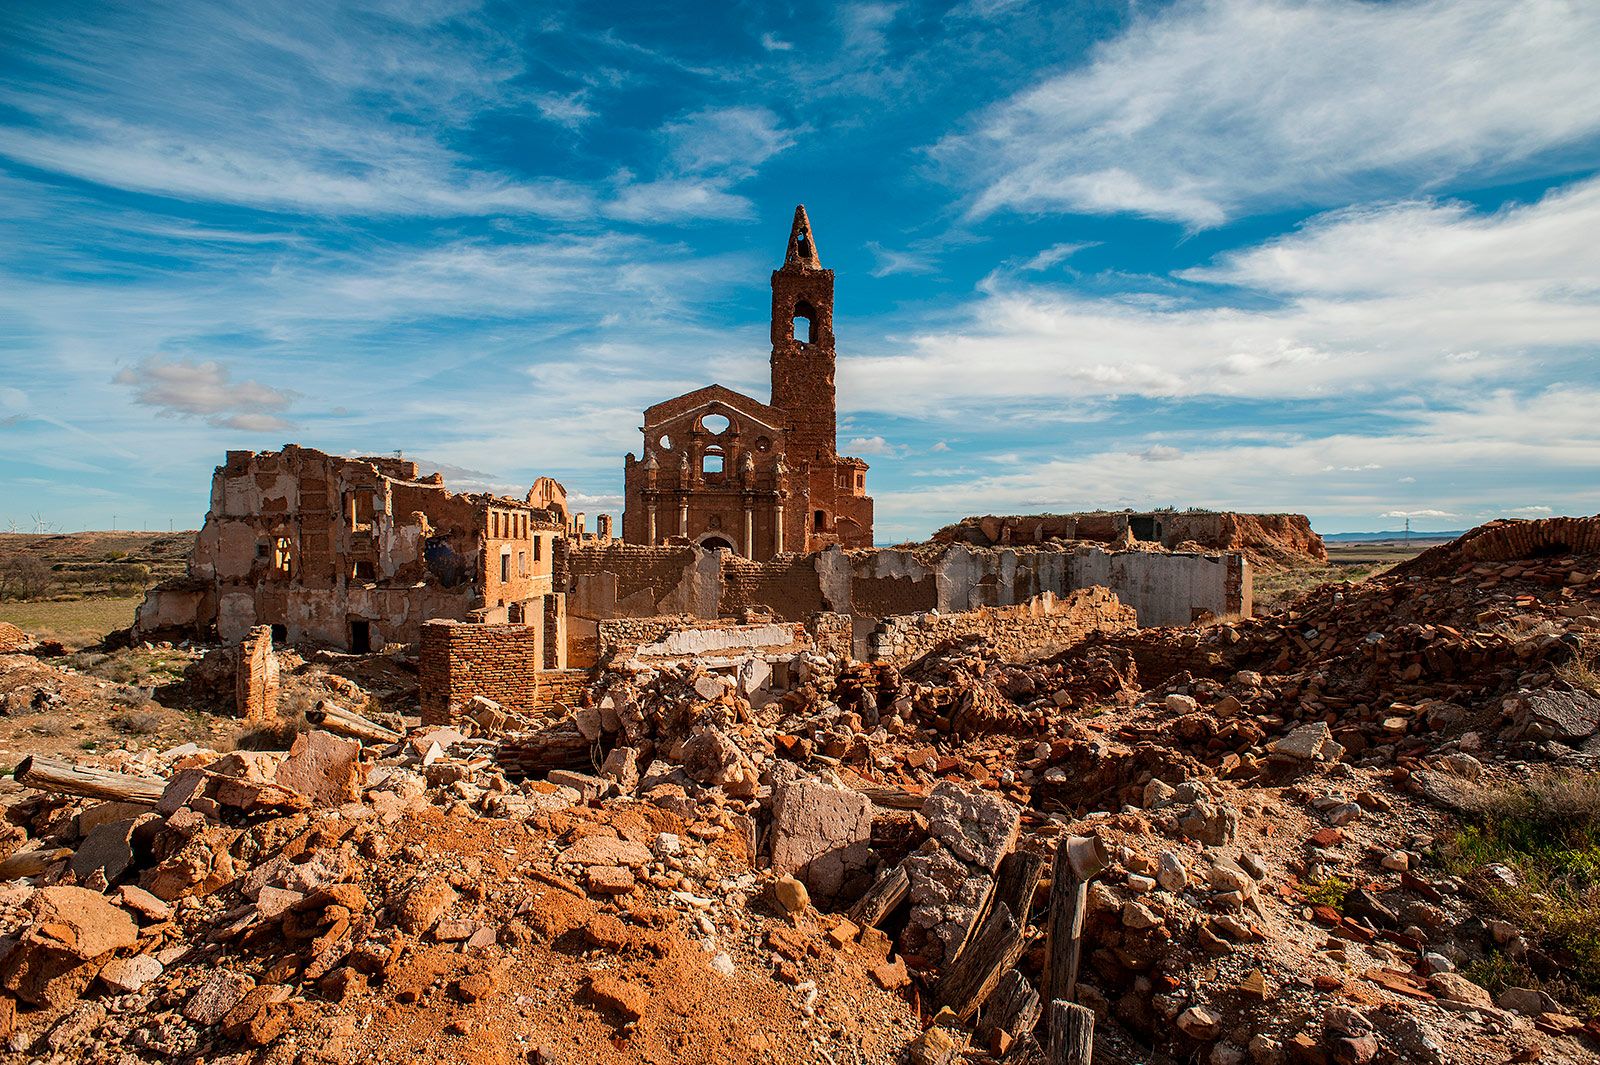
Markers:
point(717, 542)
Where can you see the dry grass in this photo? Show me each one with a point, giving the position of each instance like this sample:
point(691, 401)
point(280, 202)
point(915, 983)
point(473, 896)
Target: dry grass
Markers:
point(76, 623)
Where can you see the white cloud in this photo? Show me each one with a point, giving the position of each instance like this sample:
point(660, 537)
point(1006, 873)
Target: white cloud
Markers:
point(1054, 255)
point(1532, 511)
point(185, 387)
point(1361, 301)
point(323, 110)
point(1160, 453)
point(873, 446)
point(1472, 457)
point(707, 153)
point(773, 43)
point(892, 262)
point(1207, 108)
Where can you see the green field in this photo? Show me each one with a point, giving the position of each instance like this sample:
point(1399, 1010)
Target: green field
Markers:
point(76, 623)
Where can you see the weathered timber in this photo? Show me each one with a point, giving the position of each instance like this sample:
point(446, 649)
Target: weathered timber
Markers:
point(63, 778)
point(335, 718)
point(970, 979)
point(32, 862)
point(1071, 1034)
point(881, 898)
point(1078, 860)
point(1017, 880)
point(1013, 1009)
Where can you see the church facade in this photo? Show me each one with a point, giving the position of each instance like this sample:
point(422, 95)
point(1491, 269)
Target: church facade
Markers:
point(722, 469)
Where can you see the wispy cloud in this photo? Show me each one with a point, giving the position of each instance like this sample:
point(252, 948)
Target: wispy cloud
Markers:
point(707, 153)
point(1371, 300)
point(1202, 109)
point(323, 110)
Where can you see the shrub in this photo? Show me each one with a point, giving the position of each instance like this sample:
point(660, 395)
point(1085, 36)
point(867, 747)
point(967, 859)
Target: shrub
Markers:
point(135, 722)
point(1547, 833)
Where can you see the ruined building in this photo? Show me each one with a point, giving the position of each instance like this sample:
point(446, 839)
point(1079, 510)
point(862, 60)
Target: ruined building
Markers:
point(721, 469)
point(357, 553)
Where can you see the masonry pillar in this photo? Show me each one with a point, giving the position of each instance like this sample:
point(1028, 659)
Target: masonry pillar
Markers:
point(777, 529)
point(683, 516)
point(749, 533)
point(653, 538)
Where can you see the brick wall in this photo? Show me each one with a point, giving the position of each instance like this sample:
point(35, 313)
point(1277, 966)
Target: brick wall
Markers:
point(832, 634)
point(786, 585)
point(256, 681)
point(623, 635)
point(562, 688)
point(1035, 629)
point(458, 661)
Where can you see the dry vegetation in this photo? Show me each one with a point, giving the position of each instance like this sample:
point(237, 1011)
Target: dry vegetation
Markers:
point(1347, 563)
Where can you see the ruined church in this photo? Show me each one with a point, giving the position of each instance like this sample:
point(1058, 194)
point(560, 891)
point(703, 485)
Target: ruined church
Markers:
point(724, 470)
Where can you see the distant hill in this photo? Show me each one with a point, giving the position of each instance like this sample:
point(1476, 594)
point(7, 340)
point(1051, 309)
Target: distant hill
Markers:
point(1392, 534)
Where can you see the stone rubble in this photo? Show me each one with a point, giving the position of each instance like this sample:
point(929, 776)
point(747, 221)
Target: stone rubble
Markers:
point(1271, 794)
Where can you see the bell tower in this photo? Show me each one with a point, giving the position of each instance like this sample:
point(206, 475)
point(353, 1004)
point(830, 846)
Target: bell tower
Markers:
point(802, 346)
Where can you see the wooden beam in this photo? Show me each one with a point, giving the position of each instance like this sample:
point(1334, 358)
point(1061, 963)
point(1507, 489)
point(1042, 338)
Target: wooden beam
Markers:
point(335, 718)
point(1078, 860)
point(970, 979)
point(42, 773)
point(881, 898)
point(1071, 1034)
point(1013, 1009)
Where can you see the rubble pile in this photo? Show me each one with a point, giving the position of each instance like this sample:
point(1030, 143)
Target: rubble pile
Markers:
point(1245, 823)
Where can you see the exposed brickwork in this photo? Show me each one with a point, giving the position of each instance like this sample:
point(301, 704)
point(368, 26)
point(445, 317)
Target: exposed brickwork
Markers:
point(354, 553)
point(622, 635)
point(1508, 539)
point(458, 661)
point(787, 586)
point(722, 469)
point(832, 634)
point(256, 678)
point(1035, 629)
point(562, 688)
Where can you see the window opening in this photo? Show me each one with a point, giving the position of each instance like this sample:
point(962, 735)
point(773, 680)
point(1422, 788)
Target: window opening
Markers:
point(283, 557)
point(360, 636)
point(715, 424)
point(819, 521)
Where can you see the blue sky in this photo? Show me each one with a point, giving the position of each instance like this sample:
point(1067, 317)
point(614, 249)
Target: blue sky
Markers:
point(1333, 257)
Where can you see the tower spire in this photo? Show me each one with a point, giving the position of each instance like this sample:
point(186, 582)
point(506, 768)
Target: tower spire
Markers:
point(802, 246)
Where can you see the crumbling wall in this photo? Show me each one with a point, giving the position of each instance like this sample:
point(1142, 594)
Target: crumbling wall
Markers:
point(787, 586)
point(1169, 589)
point(1042, 626)
point(458, 661)
point(351, 553)
point(1164, 588)
point(615, 579)
point(832, 634)
point(1279, 539)
point(256, 679)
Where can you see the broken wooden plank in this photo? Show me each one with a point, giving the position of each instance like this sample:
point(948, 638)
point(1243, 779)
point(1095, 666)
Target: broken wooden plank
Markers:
point(988, 953)
point(881, 898)
point(63, 778)
point(1071, 1034)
